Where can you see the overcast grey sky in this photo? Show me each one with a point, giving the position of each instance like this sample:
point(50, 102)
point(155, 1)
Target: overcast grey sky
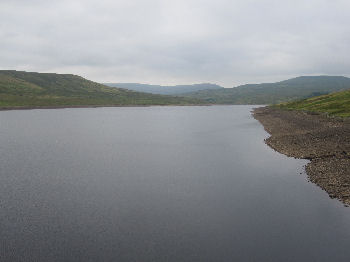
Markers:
point(228, 42)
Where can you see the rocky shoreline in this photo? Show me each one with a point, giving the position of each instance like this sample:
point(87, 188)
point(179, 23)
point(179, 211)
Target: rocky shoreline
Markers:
point(323, 140)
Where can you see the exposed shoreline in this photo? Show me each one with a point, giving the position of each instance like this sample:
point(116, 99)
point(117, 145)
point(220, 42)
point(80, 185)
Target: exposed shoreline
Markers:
point(323, 140)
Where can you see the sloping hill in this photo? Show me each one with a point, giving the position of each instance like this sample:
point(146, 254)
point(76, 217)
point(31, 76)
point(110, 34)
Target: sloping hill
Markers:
point(165, 90)
point(271, 93)
point(337, 104)
point(27, 89)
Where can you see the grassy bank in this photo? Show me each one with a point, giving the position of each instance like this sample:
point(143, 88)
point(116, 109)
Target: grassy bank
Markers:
point(335, 104)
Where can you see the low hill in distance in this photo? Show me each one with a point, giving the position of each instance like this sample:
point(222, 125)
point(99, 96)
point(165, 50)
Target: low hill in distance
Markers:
point(29, 89)
point(165, 90)
point(271, 93)
point(337, 104)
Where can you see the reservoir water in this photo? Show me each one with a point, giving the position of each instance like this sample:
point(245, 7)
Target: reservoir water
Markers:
point(158, 184)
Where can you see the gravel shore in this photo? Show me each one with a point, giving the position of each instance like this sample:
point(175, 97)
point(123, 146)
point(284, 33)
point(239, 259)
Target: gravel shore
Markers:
point(323, 140)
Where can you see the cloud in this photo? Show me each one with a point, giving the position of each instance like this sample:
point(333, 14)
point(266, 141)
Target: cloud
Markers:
point(174, 42)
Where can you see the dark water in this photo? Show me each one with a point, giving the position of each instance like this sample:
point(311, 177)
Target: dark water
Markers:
point(158, 184)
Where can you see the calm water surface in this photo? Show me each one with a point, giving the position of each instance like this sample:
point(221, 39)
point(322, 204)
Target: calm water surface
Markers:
point(158, 184)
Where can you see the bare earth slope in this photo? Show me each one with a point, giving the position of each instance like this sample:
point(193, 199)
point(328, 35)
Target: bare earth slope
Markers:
point(323, 140)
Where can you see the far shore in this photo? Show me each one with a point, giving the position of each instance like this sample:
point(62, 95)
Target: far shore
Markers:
point(89, 106)
point(325, 141)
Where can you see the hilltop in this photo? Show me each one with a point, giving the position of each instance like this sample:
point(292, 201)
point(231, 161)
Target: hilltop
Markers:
point(165, 90)
point(270, 93)
point(31, 89)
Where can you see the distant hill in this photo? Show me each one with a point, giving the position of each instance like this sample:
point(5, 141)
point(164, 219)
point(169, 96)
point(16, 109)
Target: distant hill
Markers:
point(337, 104)
point(165, 90)
point(271, 93)
point(28, 89)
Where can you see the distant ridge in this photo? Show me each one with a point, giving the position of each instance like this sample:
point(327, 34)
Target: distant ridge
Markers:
point(271, 93)
point(165, 90)
point(31, 89)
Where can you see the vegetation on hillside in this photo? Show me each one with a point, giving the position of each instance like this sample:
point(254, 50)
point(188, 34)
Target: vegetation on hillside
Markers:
point(165, 90)
point(27, 89)
point(272, 93)
point(337, 104)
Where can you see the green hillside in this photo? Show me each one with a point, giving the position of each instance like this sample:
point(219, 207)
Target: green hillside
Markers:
point(27, 89)
point(271, 93)
point(337, 104)
point(165, 90)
